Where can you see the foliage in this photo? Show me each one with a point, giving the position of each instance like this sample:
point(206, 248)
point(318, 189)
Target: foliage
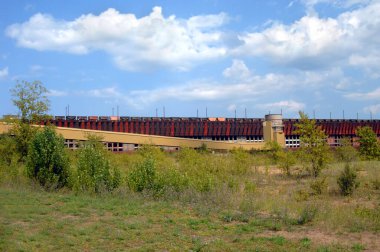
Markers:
point(347, 180)
point(313, 144)
point(143, 175)
point(8, 149)
point(275, 150)
point(318, 186)
point(203, 148)
point(346, 152)
point(94, 168)
point(307, 215)
point(286, 160)
point(47, 161)
point(369, 145)
point(241, 161)
point(31, 100)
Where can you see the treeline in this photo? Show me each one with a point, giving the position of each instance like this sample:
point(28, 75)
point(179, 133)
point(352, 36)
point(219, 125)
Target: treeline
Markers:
point(95, 170)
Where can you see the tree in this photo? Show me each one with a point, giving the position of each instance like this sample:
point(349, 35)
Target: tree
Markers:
point(286, 161)
point(94, 168)
point(314, 148)
point(346, 152)
point(30, 98)
point(47, 160)
point(369, 146)
point(347, 180)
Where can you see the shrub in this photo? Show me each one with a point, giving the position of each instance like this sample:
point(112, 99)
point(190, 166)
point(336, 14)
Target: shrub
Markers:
point(241, 161)
point(307, 215)
point(318, 186)
point(143, 175)
point(94, 169)
point(8, 149)
point(346, 152)
point(314, 148)
point(347, 180)
point(274, 151)
point(47, 160)
point(286, 160)
point(369, 146)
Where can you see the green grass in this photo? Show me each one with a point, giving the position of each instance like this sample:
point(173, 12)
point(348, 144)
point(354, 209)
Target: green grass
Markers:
point(226, 202)
point(33, 220)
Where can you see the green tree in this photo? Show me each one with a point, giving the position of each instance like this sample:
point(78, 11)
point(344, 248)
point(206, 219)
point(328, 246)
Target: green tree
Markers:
point(47, 161)
point(314, 148)
point(346, 152)
point(347, 180)
point(8, 151)
point(274, 150)
point(94, 168)
point(369, 145)
point(31, 100)
point(286, 159)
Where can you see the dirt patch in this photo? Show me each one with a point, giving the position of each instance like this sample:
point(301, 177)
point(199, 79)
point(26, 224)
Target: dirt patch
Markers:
point(370, 241)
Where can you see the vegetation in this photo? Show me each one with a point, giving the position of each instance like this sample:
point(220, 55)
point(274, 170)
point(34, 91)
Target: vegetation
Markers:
point(94, 173)
point(348, 181)
point(314, 149)
point(189, 200)
point(369, 146)
point(32, 103)
point(47, 161)
point(346, 152)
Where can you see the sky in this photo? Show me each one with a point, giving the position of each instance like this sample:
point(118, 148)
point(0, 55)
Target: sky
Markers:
point(183, 58)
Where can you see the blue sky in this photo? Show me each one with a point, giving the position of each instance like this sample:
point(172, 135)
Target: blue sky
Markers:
point(319, 56)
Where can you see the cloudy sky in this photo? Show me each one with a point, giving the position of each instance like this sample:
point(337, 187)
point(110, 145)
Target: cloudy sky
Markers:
point(319, 56)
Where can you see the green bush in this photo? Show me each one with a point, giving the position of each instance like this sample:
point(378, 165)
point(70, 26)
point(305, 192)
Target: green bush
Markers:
point(369, 146)
point(94, 173)
point(346, 152)
point(8, 149)
point(286, 159)
point(347, 180)
point(143, 175)
point(47, 161)
point(318, 186)
point(307, 215)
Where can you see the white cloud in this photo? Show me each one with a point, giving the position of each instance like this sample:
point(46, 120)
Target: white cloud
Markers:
point(231, 107)
point(57, 93)
point(4, 72)
point(35, 68)
point(108, 92)
point(289, 105)
point(238, 70)
point(374, 109)
point(313, 42)
point(134, 43)
point(373, 95)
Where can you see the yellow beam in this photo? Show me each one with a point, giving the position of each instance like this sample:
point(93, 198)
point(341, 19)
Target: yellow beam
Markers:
point(130, 138)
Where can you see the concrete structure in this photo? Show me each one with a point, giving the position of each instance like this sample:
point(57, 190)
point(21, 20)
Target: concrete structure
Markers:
point(117, 141)
point(274, 129)
point(127, 133)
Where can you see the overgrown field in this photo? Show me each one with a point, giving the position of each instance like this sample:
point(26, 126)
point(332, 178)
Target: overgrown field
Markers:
point(194, 200)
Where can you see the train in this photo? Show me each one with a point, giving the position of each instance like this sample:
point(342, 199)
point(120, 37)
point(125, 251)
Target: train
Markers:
point(212, 128)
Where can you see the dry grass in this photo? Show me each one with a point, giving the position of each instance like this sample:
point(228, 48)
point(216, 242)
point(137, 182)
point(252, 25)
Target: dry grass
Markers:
point(250, 205)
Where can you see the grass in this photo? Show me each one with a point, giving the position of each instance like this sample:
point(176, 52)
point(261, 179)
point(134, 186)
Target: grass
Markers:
point(226, 202)
point(44, 221)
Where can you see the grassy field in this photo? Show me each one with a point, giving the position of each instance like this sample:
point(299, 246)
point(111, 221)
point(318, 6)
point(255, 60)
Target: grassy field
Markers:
point(246, 205)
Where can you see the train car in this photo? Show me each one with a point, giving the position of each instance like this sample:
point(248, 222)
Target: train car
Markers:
point(104, 118)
